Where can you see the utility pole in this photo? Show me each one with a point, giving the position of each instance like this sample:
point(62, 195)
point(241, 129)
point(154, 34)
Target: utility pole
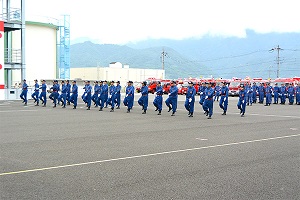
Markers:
point(163, 54)
point(278, 58)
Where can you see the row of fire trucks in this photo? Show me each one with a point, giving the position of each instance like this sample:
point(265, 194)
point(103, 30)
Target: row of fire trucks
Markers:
point(233, 84)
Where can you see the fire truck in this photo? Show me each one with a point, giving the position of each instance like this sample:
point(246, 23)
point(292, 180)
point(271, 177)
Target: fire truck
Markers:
point(234, 86)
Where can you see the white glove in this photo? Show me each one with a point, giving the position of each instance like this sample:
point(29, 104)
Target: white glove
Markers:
point(126, 95)
point(243, 101)
point(169, 94)
point(201, 93)
point(206, 97)
point(225, 99)
point(190, 100)
point(110, 96)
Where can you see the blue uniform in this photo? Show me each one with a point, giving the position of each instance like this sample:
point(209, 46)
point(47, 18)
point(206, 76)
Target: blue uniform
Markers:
point(249, 97)
point(118, 95)
point(103, 95)
point(43, 95)
point(96, 94)
point(172, 99)
point(190, 99)
point(100, 95)
point(268, 91)
point(202, 95)
point(282, 94)
point(242, 102)
point(83, 97)
point(74, 96)
point(158, 98)
point(54, 95)
point(128, 100)
point(63, 96)
point(276, 92)
point(35, 95)
point(217, 92)
point(88, 95)
point(224, 98)
point(261, 93)
point(68, 92)
point(111, 98)
point(208, 104)
point(291, 94)
point(23, 95)
point(254, 93)
point(298, 95)
point(143, 100)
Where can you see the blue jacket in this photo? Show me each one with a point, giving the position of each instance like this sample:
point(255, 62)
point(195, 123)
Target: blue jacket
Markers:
point(112, 90)
point(276, 89)
point(173, 91)
point(43, 87)
point(144, 90)
point(96, 89)
point(130, 90)
point(36, 87)
point(291, 90)
point(64, 89)
point(88, 89)
point(159, 90)
point(191, 92)
point(69, 87)
point(209, 93)
point(24, 86)
point(242, 95)
point(282, 90)
point(118, 89)
point(104, 90)
point(268, 89)
point(224, 91)
point(75, 89)
point(55, 88)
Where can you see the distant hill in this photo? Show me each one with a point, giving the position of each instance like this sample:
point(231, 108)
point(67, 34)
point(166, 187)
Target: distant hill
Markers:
point(208, 56)
point(88, 54)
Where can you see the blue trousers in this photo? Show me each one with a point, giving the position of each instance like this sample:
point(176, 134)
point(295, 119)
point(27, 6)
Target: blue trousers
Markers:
point(35, 96)
point(128, 101)
point(63, 98)
point(275, 97)
point(298, 98)
point(268, 98)
point(282, 98)
point(118, 99)
point(261, 97)
point(54, 96)
point(158, 102)
point(89, 99)
point(189, 106)
point(291, 98)
point(172, 101)
point(73, 99)
point(43, 97)
point(143, 101)
point(208, 106)
point(254, 97)
point(224, 103)
point(242, 106)
point(111, 100)
point(24, 95)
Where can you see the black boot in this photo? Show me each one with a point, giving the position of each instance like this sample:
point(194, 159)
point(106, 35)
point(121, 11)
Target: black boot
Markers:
point(118, 107)
point(74, 107)
point(170, 108)
point(100, 109)
point(144, 112)
point(159, 112)
point(173, 113)
point(112, 110)
point(191, 114)
point(89, 108)
point(128, 110)
point(224, 113)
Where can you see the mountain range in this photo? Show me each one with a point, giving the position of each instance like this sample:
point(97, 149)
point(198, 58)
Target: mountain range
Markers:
point(256, 55)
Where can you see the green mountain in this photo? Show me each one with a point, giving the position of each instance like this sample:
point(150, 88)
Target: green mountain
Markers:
point(88, 54)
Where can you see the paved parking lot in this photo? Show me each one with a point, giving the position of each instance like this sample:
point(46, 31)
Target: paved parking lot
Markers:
point(48, 153)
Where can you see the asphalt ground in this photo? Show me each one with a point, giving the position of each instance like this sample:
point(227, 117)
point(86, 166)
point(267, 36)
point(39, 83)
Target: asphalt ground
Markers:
point(55, 153)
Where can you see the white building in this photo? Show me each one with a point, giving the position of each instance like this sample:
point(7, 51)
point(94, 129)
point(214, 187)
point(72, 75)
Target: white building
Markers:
point(116, 71)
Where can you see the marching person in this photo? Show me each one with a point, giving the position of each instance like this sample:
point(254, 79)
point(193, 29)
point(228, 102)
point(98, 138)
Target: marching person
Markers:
point(298, 94)
point(74, 96)
point(172, 99)
point(143, 100)
point(54, 93)
point(254, 92)
point(224, 98)
point(261, 93)
point(208, 104)
point(190, 99)
point(242, 101)
point(276, 92)
point(88, 95)
point(282, 94)
point(111, 98)
point(96, 93)
point(23, 95)
point(83, 97)
point(128, 100)
point(118, 95)
point(158, 98)
point(105, 93)
point(35, 95)
point(291, 93)
point(43, 95)
point(217, 90)
point(68, 91)
point(63, 96)
point(268, 91)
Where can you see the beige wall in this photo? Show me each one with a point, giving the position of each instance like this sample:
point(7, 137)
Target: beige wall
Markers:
point(121, 74)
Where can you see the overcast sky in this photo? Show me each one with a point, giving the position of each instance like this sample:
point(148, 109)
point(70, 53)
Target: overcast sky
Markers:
point(122, 21)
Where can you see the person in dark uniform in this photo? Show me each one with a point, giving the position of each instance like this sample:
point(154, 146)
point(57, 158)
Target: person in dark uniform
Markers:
point(242, 100)
point(118, 95)
point(143, 100)
point(63, 96)
point(291, 94)
point(23, 95)
point(129, 98)
point(173, 98)
point(268, 91)
point(190, 99)
point(276, 92)
point(74, 96)
point(282, 94)
point(224, 98)
point(158, 98)
point(54, 93)
point(96, 93)
point(68, 91)
point(111, 97)
point(35, 95)
point(208, 104)
point(88, 95)
point(298, 94)
point(43, 95)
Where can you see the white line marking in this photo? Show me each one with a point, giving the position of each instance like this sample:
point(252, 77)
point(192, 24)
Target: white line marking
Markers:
point(18, 110)
point(294, 129)
point(255, 114)
point(147, 155)
point(203, 139)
